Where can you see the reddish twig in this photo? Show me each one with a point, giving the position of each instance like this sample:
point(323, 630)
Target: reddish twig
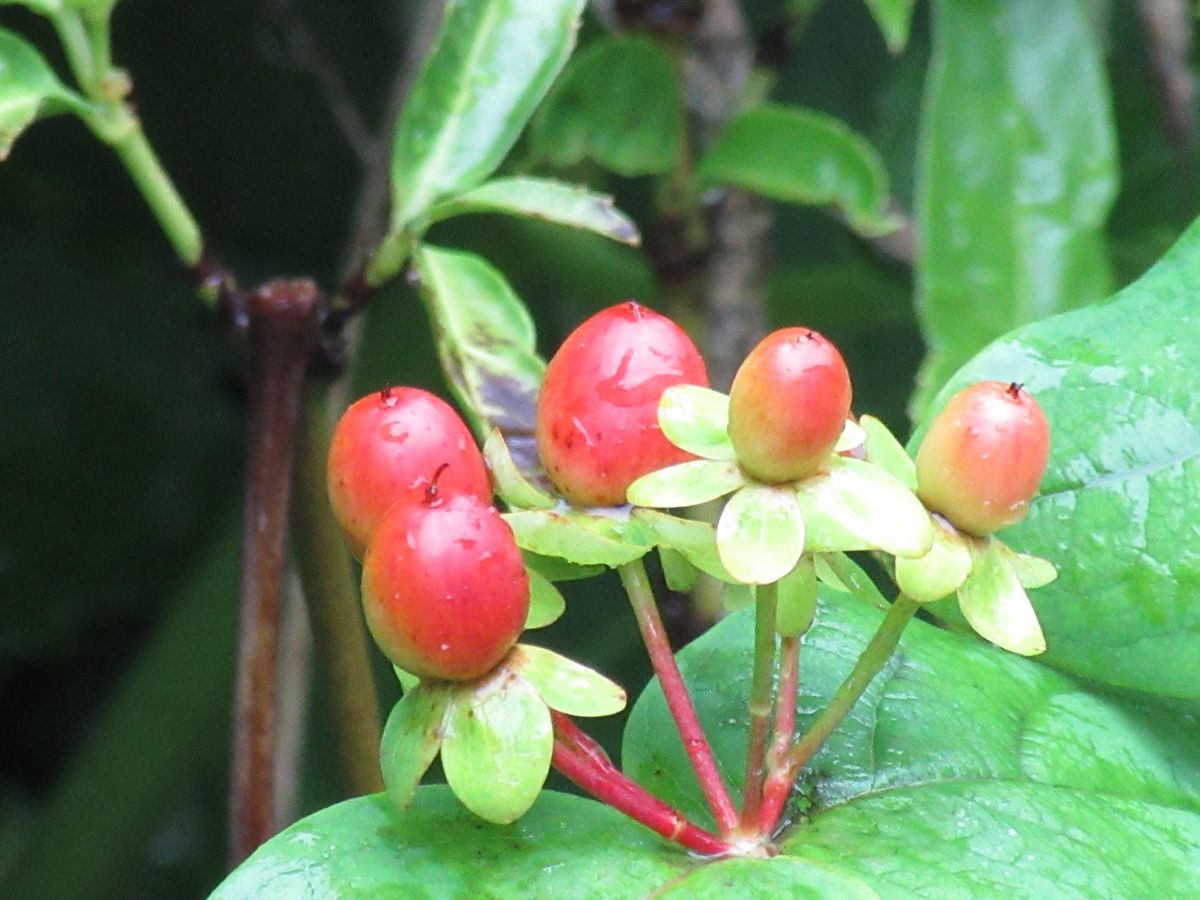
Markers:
point(778, 785)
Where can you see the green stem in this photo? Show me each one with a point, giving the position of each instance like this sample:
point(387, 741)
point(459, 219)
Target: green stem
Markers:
point(333, 607)
point(679, 702)
point(872, 661)
point(765, 610)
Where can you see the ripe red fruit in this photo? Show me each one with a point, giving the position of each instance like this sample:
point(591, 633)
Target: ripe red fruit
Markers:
point(597, 414)
point(444, 587)
point(984, 456)
point(788, 405)
point(387, 448)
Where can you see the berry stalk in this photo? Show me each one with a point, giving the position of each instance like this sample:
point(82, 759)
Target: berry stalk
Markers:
point(778, 783)
point(584, 762)
point(765, 612)
point(679, 702)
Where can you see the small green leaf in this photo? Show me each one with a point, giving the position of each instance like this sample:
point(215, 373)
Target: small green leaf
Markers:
point(28, 87)
point(1031, 571)
point(566, 685)
point(760, 534)
point(800, 156)
point(408, 681)
point(940, 572)
point(486, 342)
point(679, 574)
point(888, 453)
point(490, 66)
point(510, 484)
point(695, 540)
point(411, 739)
point(497, 746)
point(619, 103)
point(859, 506)
point(852, 436)
point(997, 606)
point(894, 18)
point(797, 599)
point(546, 604)
point(546, 199)
point(578, 539)
point(553, 568)
point(696, 419)
point(686, 484)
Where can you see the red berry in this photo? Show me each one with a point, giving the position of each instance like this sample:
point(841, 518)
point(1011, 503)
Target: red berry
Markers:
point(984, 456)
point(788, 405)
point(444, 587)
point(597, 414)
point(387, 448)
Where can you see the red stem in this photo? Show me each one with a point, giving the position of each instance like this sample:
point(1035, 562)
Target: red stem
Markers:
point(778, 784)
point(281, 335)
point(679, 702)
point(581, 759)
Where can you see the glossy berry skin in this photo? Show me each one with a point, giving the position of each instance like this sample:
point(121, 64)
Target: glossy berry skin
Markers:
point(444, 588)
point(788, 405)
point(983, 457)
point(597, 414)
point(387, 448)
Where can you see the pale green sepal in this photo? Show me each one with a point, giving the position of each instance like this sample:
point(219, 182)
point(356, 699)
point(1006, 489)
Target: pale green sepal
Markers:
point(996, 605)
point(694, 539)
point(552, 568)
point(411, 739)
point(940, 572)
point(843, 574)
point(576, 538)
point(852, 436)
point(737, 596)
point(826, 573)
point(1031, 571)
point(679, 574)
point(686, 484)
point(888, 453)
point(497, 746)
point(566, 685)
point(408, 681)
point(546, 604)
point(696, 419)
point(797, 599)
point(760, 534)
point(859, 506)
point(510, 484)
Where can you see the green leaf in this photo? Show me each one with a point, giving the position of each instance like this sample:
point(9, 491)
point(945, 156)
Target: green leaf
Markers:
point(511, 486)
point(888, 453)
point(1120, 502)
point(546, 604)
point(361, 850)
point(963, 770)
point(552, 568)
point(1016, 174)
point(800, 156)
point(996, 605)
point(28, 88)
point(42, 7)
point(696, 419)
point(894, 18)
point(695, 540)
point(767, 879)
point(760, 534)
point(408, 681)
point(542, 198)
point(492, 63)
point(686, 484)
point(679, 574)
point(497, 745)
point(412, 738)
point(487, 346)
point(566, 685)
point(577, 538)
point(940, 572)
point(797, 599)
point(859, 506)
point(618, 103)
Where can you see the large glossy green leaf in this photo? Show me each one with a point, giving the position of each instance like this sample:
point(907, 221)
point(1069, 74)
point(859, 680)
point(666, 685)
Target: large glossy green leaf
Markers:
point(28, 88)
point(801, 156)
point(618, 103)
point(1016, 174)
point(1119, 510)
point(963, 771)
point(486, 342)
point(492, 63)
